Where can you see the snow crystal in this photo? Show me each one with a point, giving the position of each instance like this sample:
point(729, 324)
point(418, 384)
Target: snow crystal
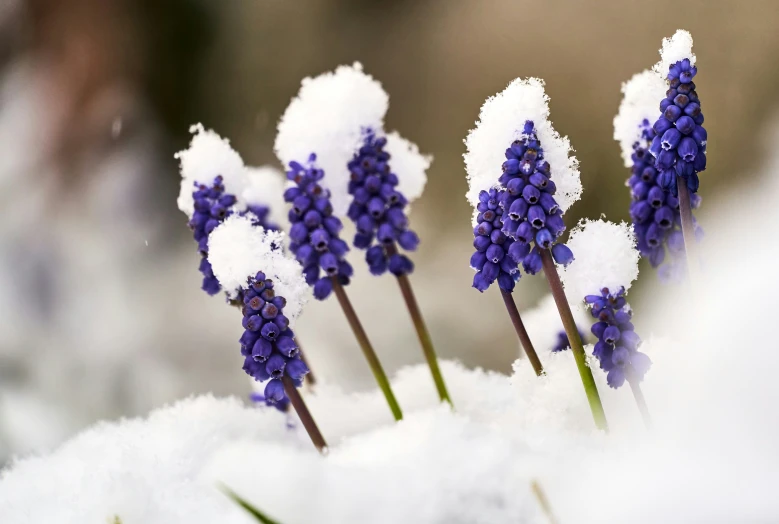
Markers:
point(408, 164)
point(543, 322)
point(605, 256)
point(265, 187)
point(501, 121)
point(237, 250)
point(641, 101)
point(209, 155)
point(674, 49)
point(329, 117)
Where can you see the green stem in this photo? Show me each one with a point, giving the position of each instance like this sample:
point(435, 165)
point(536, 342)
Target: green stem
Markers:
point(367, 349)
point(588, 381)
point(519, 327)
point(254, 512)
point(543, 501)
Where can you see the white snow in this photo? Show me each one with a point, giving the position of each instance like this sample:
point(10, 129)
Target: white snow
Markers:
point(543, 322)
point(209, 155)
point(674, 49)
point(265, 186)
point(605, 256)
point(501, 121)
point(237, 250)
point(641, 100)
point(328, 117)
point(408, 164)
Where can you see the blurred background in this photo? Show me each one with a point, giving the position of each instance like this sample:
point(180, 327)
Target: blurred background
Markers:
point(101, 314)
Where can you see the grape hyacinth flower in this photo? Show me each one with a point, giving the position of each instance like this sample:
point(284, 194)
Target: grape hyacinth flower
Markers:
point(272, 298)
point(607, 260)
point(679, 145)
point(618, 343)
point(562, 340)
point(518, 118)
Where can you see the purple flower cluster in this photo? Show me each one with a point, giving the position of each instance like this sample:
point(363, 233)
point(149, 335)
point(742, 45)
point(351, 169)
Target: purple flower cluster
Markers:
point(268, 344)
point(530, 213)
point(655, 212)
point(314, 233)
point(212, 206)
point(492, 260)
point(378, 210)
point(617, 346)
point(679, 145)
point(562, 340)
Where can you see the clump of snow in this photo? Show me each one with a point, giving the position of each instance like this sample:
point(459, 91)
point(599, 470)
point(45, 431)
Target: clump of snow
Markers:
point(543, 322)
point(605, 255)
point(674, 49)
point(329, 117)
point(209, 155)
point(640, 101)
point(265, 187)
point(408, 164)
point(238, 250)
point(501, 121)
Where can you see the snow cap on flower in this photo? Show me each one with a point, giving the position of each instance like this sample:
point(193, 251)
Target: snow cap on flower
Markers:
point(408, 164)
point(238, 250)
point(606, 257)
point(639, 103)
point(328, 117)
point(208, 156)
point(265, 188)
point(675, 49)
point(501, 122)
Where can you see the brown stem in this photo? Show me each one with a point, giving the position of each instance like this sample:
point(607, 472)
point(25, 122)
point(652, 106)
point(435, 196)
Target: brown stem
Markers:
point(304, 414)
point(310, 375)
point(588, 381)
point(519, 327)
point(367, 349)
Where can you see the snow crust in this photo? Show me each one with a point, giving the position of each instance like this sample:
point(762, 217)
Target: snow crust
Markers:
point(237, 250)
point(674, 49)
point(641, 96)
point(207, 156)
point(408, 164)
point(501, 121)
point(605, 256)
point(265, 186)
point(328, 117)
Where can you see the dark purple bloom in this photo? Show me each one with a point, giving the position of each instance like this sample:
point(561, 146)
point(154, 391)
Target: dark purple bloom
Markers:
point(492, 247)
point(268, 344)
point(378, 210)
point(654, 210)
point(678, 143)
point(315, 230)
point(618, 343)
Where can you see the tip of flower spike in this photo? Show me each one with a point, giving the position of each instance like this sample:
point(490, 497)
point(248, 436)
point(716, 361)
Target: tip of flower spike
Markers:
point(208, 156)
point(265, 187)
point(640, 101)
point(408, 164)
point(329, 117)
point(238, 250)
point(674, 49)
point(606, 257)
point(501, 121)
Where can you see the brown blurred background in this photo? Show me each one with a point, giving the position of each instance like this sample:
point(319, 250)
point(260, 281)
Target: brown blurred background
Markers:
point(100, 311)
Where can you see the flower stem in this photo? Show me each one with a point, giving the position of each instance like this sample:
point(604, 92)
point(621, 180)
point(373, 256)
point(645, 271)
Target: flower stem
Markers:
point(367, 349)
point(588, 381)
point(303, 413)
point(543, 501)
point(640, 402)
point(519, 327)
point(422, 333)
point(688, 228)
point(310, 375)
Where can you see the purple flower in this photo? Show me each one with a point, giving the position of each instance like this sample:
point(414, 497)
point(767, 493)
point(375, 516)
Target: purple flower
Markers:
point(268, 344)
point(378, 210)
point(314, 234)
point(655, 211)
point(493, 259)
point(618, 343)
point(562, 340)
point(678, 141)
point(531, 214)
